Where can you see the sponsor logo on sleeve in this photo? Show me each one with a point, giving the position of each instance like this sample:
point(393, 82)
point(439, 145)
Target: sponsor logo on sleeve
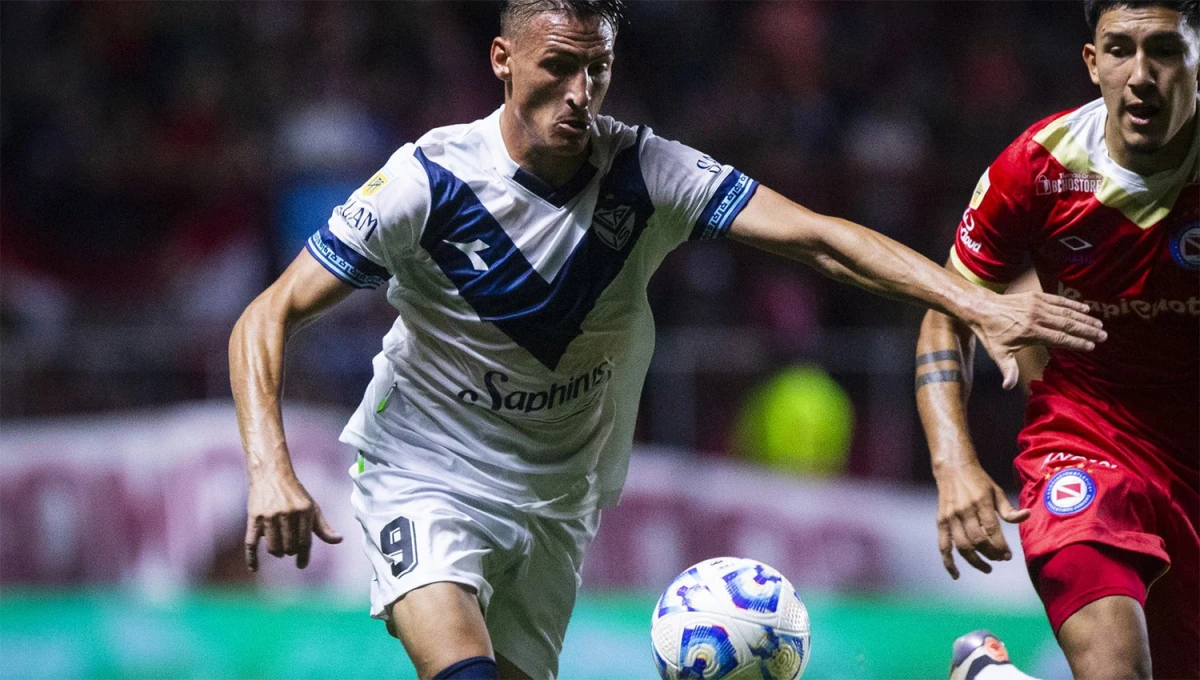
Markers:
point(1070, 491)
point(359, 216)
point(706, 162)
point(374, 184)
point(981, 189)
point(1185, 247)
point(965, 229)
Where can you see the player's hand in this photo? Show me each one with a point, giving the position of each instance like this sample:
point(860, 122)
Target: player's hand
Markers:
point(970, 507)
point(281, 511)
point(1008, 323)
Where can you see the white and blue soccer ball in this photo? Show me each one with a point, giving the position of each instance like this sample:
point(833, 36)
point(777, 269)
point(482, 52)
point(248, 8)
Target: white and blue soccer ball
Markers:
point(730, 618)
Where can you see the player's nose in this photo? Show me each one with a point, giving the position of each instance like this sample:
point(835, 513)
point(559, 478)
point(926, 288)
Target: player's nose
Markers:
point(1142, 74)
point(579, 90)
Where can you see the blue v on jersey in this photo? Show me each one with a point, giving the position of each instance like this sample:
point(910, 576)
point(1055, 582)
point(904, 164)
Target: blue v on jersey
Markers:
point(516, 364)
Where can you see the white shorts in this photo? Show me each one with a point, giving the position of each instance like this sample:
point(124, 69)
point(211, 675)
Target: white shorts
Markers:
point(526, 569)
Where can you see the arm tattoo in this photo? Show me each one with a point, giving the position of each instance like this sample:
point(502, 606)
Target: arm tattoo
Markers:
point(944, 355)
point(937, 377)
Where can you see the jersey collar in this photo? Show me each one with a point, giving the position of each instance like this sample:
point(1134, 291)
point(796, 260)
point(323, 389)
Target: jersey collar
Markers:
point(556, 196)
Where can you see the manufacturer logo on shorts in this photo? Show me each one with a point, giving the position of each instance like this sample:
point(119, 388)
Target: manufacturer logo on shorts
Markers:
point(1185, 247)
point(1069, 491)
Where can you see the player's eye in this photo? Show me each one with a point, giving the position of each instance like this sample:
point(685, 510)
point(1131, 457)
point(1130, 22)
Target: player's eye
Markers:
point(599, 68)
point(558, 67)
point(1167, 51)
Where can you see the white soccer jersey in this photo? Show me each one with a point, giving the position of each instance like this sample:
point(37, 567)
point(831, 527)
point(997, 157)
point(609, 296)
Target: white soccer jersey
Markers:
point(524, 335)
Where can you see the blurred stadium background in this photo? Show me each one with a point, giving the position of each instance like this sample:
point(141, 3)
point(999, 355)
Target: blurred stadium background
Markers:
point(161, 163)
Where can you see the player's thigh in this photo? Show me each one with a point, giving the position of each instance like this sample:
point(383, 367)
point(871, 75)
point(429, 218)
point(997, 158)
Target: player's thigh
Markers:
point(439, 624)
point(431, 550)
point(1172, 609)
point(527, 617)
point(1107, 638)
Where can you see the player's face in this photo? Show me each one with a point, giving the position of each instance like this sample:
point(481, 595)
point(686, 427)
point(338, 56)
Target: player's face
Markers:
point(558, 71)
point(1145, 61)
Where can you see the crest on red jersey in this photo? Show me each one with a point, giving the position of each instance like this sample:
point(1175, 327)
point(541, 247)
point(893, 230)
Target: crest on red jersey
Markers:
point(1185, 247)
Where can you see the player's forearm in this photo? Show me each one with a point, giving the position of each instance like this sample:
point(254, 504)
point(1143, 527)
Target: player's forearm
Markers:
point(945, 352)
point(854, 254)
point(857, 255)
point(256, 351)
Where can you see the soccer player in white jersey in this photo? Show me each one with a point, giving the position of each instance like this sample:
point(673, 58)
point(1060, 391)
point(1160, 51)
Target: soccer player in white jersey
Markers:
point(500, 418)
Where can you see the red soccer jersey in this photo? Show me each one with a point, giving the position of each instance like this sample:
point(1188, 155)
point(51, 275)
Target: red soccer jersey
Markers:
point(1127, 245)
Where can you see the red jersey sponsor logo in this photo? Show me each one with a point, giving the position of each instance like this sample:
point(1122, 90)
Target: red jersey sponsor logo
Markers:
point(1067, 182)
point(1060, 459)
point(1144, 309)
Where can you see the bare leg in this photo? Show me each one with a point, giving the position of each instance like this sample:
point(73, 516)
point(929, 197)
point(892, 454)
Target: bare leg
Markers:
point(440, 624)
point(1107, 639)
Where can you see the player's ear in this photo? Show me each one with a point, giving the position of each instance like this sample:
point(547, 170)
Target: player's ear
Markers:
point(1089, 59)
point(501, 58)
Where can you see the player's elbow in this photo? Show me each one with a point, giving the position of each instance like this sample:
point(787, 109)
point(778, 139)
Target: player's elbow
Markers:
point(270, 308)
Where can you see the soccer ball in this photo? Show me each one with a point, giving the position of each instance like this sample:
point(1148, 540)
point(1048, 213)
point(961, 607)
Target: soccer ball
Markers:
point(730, 618)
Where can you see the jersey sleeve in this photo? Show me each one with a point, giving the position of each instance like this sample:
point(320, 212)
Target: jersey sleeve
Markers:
point(378, 226)
point(996, 229)
point(702, 195)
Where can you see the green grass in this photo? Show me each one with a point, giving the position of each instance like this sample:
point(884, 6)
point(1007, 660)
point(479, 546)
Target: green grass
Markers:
point(311, 635)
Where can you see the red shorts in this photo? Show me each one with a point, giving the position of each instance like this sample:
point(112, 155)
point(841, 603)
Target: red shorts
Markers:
point(1087, 481)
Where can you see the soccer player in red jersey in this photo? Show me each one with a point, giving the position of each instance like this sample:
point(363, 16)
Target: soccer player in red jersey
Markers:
point(1103, 200)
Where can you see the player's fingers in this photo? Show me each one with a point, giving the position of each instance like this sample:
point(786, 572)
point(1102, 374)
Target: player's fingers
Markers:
point(1009, 370)
point(274, 536)
point(253, 531)
point(304, 540)
point(1064, 340)
point(989, 522)
point(1061, 301)
point(322, 528)
point(1078, 327)
point(288, 526)
point(964, 548)
point(975, 533)
point(1007, 512)
point(946, 547)
point(1081, 318)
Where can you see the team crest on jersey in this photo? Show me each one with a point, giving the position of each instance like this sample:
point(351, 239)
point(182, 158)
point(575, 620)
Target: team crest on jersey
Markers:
point(614, 226)
point(1069, 491)
point(1185, 247)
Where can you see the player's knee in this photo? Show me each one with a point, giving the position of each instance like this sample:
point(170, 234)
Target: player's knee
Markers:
point(1104, 665)
point(474, 668)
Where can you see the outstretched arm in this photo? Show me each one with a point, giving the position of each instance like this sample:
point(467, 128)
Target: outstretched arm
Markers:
point(854, 254)
point(279, 508)
point(970, 503)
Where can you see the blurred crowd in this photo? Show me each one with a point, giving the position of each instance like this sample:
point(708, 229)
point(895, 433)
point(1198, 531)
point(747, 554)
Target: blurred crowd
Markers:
point(163, 161)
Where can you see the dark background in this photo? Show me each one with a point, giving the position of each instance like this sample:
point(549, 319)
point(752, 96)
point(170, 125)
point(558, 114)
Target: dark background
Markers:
point(162, 162)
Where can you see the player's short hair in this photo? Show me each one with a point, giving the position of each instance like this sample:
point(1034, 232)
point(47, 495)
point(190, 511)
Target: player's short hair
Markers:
point(516, 14)
point(1093, 9)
